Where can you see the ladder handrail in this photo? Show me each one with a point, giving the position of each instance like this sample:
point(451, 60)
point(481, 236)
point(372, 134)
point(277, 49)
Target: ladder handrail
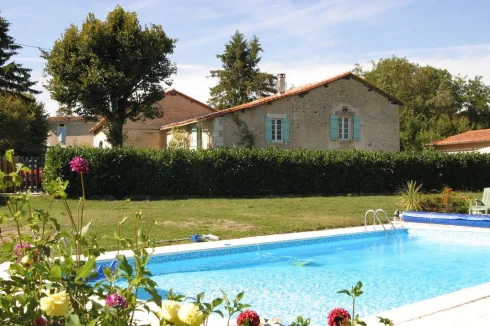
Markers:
point(376, 217)
point(387, 218)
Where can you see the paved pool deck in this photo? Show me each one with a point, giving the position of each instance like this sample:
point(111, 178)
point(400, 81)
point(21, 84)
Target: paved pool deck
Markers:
point(465, 307)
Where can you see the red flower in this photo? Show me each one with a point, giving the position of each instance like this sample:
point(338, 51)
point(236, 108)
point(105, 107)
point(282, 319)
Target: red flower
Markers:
point(79, 164)
point(338, 317)
point(250, 316)
point(40, 321)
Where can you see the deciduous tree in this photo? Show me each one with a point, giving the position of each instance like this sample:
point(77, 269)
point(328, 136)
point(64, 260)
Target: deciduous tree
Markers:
point(112, 69)
point(23, 125)
point(436, 104)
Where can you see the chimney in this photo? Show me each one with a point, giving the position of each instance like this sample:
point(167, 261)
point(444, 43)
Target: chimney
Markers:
point(281, 83)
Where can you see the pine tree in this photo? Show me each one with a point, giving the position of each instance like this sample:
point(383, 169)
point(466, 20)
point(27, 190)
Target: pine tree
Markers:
point(240, 81)
point(14, 79)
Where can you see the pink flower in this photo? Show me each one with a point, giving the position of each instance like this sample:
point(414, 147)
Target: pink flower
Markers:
point(338, 317)
point(250, 315)
point(19, 249)
point(79, 164)
point(115, 300)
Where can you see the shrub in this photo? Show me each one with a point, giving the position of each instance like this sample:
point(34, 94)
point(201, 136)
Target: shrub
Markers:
point(252, 172)
point(446, 202)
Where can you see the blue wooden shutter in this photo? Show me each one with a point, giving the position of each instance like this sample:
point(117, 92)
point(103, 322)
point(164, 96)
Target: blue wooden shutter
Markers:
point(334, 127)
point(357, 128)
point(285, 130)
point(194, 138)
point(268, 130)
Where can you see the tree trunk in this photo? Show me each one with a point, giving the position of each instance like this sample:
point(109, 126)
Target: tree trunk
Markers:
point(115, 134)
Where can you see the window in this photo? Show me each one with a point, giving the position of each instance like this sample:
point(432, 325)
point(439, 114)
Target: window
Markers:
point(344, 128)
point(61, 133)
point(101, 144)
point(277, 130)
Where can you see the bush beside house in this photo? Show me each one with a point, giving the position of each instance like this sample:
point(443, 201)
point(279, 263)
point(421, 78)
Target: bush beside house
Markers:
point(251, 172)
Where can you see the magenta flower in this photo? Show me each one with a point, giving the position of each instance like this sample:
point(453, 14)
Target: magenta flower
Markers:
point(115, 300)
point(79, 164)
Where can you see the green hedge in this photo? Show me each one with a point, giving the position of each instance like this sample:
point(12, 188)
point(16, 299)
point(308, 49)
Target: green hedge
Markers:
point(143, 173)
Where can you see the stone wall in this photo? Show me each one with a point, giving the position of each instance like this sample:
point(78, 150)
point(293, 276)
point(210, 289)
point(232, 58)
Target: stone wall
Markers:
point(76, 132)
point(309, 118)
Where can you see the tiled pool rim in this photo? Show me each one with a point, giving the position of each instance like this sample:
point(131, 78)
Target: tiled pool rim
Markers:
point(229, 248)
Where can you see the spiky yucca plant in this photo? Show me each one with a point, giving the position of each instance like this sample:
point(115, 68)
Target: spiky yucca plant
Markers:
point(411, 196)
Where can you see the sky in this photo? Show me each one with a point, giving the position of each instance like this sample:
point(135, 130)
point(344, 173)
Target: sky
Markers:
point(307, 40)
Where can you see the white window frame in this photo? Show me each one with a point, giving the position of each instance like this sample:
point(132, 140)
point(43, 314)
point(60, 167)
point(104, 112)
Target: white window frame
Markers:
point(343, 135)
point(276, 132)
point(61, 126)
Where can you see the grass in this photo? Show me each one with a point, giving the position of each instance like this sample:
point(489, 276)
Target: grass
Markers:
point(226, 218)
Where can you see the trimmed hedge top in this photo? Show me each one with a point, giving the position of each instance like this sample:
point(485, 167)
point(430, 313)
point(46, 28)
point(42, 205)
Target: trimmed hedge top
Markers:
point(134, 172)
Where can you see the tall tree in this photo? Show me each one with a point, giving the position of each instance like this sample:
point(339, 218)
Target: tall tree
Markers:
point(436, 104)
point(240, 81)
point(23, 125)
point(14, 79)
point(111, 69)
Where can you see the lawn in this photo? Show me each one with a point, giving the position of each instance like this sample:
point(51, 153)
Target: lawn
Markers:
point(226, 218)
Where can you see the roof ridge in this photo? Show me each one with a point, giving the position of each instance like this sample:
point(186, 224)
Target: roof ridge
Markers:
point(291, 92)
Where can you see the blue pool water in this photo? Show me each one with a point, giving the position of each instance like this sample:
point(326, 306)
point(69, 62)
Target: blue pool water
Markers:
point(395, 270)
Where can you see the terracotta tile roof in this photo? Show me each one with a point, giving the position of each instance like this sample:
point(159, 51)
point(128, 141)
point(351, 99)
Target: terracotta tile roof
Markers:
point(65, 118)
point(275, 97)
point(171, 92)
point(472, 136)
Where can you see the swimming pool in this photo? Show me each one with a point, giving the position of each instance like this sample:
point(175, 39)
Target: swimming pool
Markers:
point(396, 270)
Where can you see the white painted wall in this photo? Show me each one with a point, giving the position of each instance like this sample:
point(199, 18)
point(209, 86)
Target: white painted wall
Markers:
point(100, 136)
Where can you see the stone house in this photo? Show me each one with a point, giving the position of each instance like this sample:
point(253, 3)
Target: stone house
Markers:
point(467, 142)
point(69, 131)
point(342, 112)
point(176, 106)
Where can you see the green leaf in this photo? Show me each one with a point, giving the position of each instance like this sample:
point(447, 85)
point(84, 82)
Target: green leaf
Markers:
point(239, 296)
point(124, 265)
point(25, 169)
point(225, 297)
point(56, 272)
point(86, 228)
point(345, 292)
point(85, 271)
point(125, 218)
point(9, 156)
point(216, 302)
point(72, 320)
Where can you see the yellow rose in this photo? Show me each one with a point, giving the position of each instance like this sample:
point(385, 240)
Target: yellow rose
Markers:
point(190, 315)
point(26, 260)
point(55, 305)
point(169, 312)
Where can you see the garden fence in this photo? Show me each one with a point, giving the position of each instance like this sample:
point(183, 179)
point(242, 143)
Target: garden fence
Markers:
point(30, 180)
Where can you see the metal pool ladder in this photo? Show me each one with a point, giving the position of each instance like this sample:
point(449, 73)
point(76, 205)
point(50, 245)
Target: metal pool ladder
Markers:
point(376, 218)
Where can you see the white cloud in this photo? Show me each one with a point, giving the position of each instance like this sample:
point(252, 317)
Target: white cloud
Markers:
point(309, 22)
